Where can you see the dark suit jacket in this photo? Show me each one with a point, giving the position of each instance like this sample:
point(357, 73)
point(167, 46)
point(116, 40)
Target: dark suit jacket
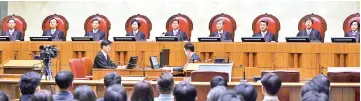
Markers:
point(182, 36)
point(26, 97)
point(350, 34)
point(225, 35)
point(140, 36)
point(17, 35)
point(315, 35)
point(101, 62)
point(63, 96)
point(195, 57)
point(100, 35)
point(57, 36)
point(268, 37)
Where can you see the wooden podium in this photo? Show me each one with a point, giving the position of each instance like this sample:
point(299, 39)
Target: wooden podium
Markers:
point(21, 66)
point(216, 67)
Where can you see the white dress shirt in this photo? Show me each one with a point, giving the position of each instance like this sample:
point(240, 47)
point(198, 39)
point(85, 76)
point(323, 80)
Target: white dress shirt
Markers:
point(263, 33)
point(11, 31)
point(175, 32)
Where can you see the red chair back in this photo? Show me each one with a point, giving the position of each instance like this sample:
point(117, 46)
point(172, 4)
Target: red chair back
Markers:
point(229, 24)
point(78, 68)
point(273, 24)
point(104, 24)
point(185, 24)
point(318, 23)
point(88, 65)
point(348, 20)
point(145, 24)
point(63, 24)
point(20, 23)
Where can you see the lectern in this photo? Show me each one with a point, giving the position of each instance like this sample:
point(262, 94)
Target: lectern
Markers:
point(21, 66)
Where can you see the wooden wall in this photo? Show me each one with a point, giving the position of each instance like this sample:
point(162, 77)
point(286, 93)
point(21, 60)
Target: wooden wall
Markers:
point(308, 58)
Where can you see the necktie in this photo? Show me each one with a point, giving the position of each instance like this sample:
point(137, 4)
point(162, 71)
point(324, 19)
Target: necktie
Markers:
point(52, 32)
point(11, 33)
point(174, 33)
point(308, 32)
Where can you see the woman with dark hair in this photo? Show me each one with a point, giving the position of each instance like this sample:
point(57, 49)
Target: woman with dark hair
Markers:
point(84, 93)
point(115, 93)
point(355, 30)
point(42, 95)
point(142, 91)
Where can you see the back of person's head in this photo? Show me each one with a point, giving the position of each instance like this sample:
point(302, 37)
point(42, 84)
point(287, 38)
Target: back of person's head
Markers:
point(42, 95)
point(271, 83)
point(29, 82)
point(314, 96)
point(320, 84)
point(165, 83)
point(231, 96)
point(142, 91)
point(115, 93)
point(3, 96)
point(111, 79)
point(215, 93)
point(84, 93)
point(105, 43)
point(64, 79)
point(185, 91)
point(246, 90)
point(189, 46)
point(218, 81)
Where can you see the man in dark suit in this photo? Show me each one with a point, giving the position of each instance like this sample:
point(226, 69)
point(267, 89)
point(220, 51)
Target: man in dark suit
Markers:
point(14, 34)
point(102, 59)
point(56, 35)
point(224, 35)
point(189, 51)
point(182, 36)
point(314, 35)
point(139, 36)
point(96, 33)
point(355, 27)
point(268, 36)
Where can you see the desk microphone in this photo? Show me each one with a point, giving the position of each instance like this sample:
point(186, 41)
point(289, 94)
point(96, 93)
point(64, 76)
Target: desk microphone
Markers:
point(163, 34)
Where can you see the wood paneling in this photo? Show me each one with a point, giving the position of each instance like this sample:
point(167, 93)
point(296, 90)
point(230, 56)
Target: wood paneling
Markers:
point(308, 58)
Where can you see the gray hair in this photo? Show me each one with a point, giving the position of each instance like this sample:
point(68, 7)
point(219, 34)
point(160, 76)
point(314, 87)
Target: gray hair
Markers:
point(216, 93)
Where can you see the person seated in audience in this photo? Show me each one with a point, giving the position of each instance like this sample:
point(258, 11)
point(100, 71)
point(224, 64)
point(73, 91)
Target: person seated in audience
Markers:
point(224, 35)
point(44, 95)
point(189, 51)
point(271, 84)
point(246, 90)
point(96, 33)
point(3, 96)
point(355, 27)
point(218, 81)
point(56, 35)
point(184, 91)
point(13, 34)
point(313, 34)
point(110, 79)
point(314, 96)
point(268, 36)
point(182, 36)
point(142, 91)
point(84, 93)
point(29, 84)
point(115, 92)
point(139, 36)
point(64, 80)
point(231, 96)
point(165, 84)
point(215, 93)
point(102, 60)
point(320, 84)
